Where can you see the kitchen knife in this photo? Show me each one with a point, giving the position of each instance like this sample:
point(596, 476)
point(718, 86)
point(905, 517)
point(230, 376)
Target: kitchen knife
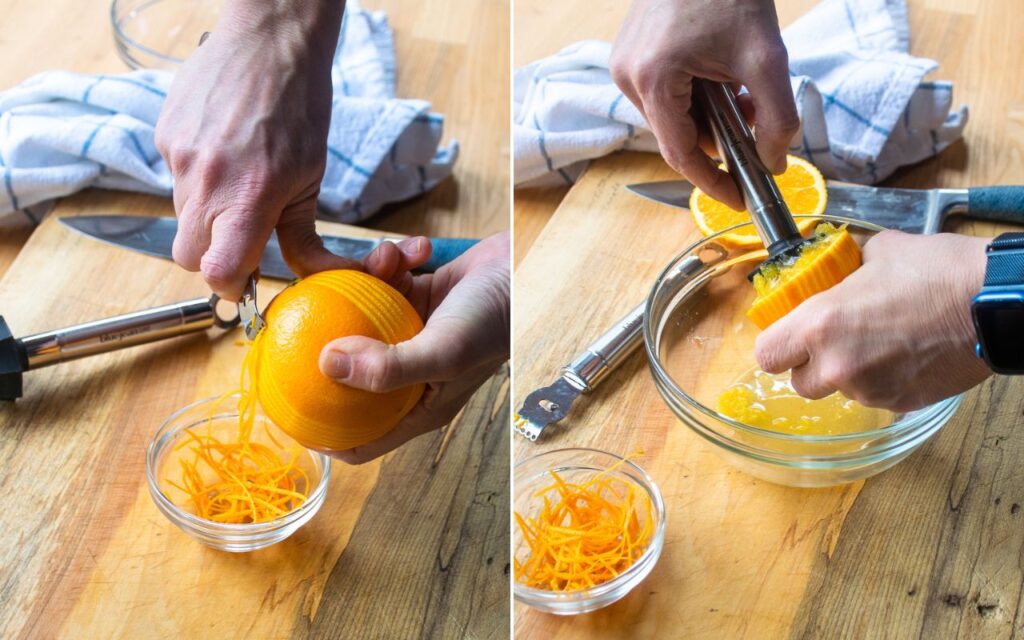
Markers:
point(154, 236)
point(910, 210)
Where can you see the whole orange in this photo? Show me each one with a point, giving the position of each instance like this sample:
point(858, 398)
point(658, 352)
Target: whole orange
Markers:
point(312, 408)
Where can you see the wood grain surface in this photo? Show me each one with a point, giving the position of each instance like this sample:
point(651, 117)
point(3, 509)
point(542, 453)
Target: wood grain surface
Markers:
point(412, 545)
point(929, 549)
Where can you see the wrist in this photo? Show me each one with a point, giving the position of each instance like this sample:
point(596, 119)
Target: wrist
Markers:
point(969, 277)
point(271, 18)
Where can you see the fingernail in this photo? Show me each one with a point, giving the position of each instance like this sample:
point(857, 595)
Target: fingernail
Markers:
point(338, 365)
point(373, 259)
point(412, 247)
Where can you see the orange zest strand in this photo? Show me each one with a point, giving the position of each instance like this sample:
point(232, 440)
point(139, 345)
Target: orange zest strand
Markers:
point(241, 481)
point(585, 534)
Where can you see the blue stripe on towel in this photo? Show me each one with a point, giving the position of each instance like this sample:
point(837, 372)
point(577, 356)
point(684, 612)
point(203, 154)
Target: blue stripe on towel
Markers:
point(853, 25)
point(432, 118)
point(341, 156)
point(131, 81)
point(831, 99)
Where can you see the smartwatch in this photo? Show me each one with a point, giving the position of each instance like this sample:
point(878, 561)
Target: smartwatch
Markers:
point(998, 309)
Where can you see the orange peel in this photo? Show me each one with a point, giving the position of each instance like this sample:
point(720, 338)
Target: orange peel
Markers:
point(827, 258)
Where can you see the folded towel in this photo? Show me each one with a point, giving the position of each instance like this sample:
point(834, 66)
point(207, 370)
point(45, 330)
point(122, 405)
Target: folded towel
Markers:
point(864, 107)
point(61, 132)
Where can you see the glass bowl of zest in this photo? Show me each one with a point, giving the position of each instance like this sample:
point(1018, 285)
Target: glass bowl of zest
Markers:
point(199, 447)
point(541, 484)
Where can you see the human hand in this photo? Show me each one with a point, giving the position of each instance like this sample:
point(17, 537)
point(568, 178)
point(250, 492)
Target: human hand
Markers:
point(466, 337)
point(663, 44)
point(244, 133)
point(896, 333)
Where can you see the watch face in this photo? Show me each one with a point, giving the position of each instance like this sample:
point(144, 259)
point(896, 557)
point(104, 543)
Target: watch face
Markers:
point(1000, 326)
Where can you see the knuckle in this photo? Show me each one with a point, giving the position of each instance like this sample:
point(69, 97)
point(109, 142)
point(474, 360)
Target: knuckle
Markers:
point(835, 373)
point(768, 57)
point(821, 325)
point(646, 72)
point(218, 272)
point(382, 372)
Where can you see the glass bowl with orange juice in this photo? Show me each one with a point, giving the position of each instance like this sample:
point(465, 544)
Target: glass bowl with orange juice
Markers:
point(700, 345)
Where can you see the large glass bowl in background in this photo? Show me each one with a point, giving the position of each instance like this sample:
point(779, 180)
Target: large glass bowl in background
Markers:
point(160, 34)
point(699, 341)
point(162, 465)
point(533, 474)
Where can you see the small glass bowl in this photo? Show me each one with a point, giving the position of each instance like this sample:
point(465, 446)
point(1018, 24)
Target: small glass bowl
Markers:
point(228, 537)
point(532, 474)
point(160, 34)
point(699, 341)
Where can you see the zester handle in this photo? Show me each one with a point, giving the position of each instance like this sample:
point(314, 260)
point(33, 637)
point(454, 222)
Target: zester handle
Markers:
point(607, 352)
point(735, 142)
point(130, 329)
point(618, 343)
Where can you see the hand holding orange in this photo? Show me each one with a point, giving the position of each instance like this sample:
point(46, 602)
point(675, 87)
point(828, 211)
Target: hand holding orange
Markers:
point(317, 411)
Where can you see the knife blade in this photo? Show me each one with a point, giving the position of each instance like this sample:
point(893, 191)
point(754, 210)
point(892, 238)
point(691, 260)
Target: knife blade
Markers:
point(910, 210)
point(154, 236)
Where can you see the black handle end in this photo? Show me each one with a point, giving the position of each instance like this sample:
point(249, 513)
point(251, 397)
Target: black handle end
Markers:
point(13, 362)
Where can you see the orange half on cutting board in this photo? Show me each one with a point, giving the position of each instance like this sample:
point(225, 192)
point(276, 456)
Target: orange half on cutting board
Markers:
point(803, 190)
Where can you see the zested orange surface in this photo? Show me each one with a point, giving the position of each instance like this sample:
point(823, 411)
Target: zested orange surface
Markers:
point(829, 257)
point(588, 535)
point(315, 410)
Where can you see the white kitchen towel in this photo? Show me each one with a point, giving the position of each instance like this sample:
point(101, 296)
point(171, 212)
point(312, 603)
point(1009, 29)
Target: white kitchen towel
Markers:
point(864, 106)
point(61, 132)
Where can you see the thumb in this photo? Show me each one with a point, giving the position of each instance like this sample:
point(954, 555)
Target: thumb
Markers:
point(370, 364)
point(302, 247)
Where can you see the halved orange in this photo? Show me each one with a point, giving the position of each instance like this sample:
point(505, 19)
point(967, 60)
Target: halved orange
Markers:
point(803, 190)
point(827, 258)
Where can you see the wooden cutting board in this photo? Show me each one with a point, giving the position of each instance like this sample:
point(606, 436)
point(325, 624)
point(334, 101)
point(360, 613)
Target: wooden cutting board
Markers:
point(929, 549)
point(412, 544)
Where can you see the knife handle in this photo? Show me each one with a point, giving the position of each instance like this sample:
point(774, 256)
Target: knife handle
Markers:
point(997, 204)
point(446, 250)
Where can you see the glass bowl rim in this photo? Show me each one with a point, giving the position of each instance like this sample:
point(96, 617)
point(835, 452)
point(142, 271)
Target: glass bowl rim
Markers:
point(922, 417)
point(194, 521)
point(543, 596)
point(120, 34)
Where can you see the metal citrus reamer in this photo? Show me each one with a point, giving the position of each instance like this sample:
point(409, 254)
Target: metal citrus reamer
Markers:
point(761, 195)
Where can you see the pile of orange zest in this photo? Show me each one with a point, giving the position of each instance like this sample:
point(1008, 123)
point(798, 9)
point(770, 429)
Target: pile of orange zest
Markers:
point(588, 536)
point(252, 482)
point(827, 258)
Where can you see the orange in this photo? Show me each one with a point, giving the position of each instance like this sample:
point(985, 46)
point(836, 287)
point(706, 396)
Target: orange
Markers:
point(803, 190)
point(823, 262)
point(310, 407)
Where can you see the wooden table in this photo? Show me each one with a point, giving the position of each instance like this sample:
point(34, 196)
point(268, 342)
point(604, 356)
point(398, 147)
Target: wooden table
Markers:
point(413, 545)
point(929, 549)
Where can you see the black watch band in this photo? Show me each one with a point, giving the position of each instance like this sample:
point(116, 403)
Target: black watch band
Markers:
point(1005, 260)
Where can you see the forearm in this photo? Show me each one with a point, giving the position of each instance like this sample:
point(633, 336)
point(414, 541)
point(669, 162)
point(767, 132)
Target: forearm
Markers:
point(311, 24)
